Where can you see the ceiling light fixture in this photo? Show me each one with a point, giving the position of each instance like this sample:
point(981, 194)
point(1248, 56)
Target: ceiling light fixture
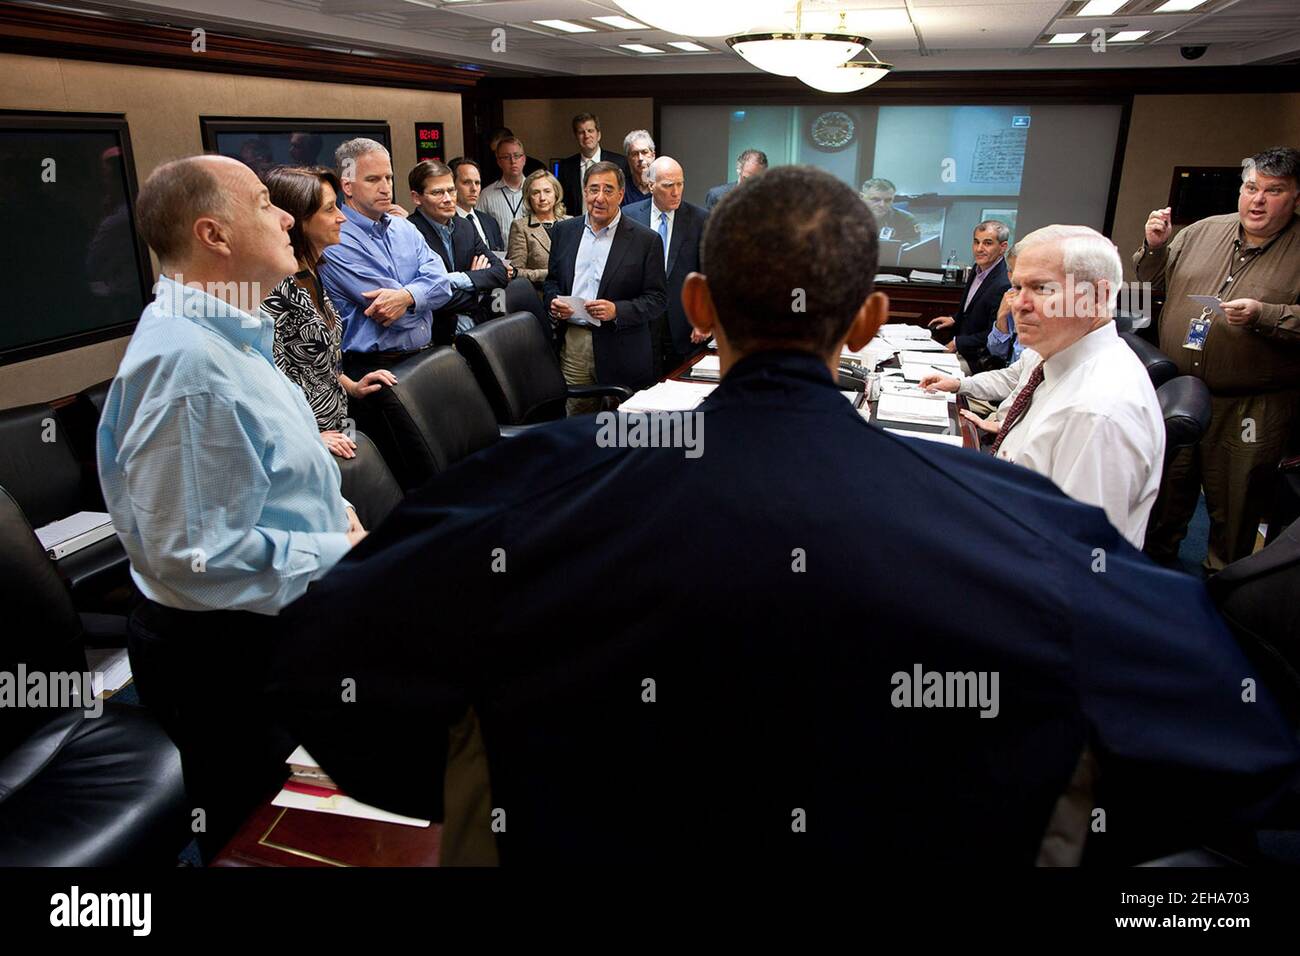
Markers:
point(793, 54)
point(1100, 8)
point(621, 23)
point(1060, 38)
point(704, 18)
point(640, 48)
point(1128, 36)
point(565, 26)
point(689, 46)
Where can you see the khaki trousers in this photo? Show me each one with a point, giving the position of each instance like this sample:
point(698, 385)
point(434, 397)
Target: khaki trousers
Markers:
point(1236, 463)
point(578, 363)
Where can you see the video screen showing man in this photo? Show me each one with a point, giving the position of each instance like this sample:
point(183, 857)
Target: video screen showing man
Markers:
point(893, 223)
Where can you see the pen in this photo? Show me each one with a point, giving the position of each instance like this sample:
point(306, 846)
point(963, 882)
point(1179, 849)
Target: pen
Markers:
point(946, 371)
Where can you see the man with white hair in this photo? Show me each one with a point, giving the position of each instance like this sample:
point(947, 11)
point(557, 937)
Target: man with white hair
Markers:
point(384, 280)
point(639, 146)
point(1087, 415)
point(680, 226)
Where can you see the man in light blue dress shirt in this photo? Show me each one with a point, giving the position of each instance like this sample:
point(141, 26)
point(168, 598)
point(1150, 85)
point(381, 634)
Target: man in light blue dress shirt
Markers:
point(384, 280)
point(224, 496)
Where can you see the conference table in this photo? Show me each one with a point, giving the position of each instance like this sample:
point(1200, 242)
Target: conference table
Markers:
point(289, 837)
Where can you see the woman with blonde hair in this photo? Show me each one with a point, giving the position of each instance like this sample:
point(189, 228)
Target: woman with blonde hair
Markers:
point(529, 245)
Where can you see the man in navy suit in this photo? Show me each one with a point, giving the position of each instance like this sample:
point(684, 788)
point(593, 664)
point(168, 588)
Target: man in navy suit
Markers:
point(472, 268)
point(573, 169)
point(615, 266)
point(980, 300)
point(681, 225)
point(469, 186)
point(782, 636)
point(749, 163)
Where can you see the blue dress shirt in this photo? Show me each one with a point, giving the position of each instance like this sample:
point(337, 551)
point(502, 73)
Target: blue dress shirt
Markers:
point(1000, 343)
point(593, 253)
point(212, 466)
point(387, 254)
point(459, 280)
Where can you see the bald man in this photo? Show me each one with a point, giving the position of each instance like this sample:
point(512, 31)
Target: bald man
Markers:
point(681, 226)
point(224, 496)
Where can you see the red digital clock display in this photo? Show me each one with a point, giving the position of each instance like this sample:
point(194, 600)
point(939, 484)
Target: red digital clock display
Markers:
point(428, 141)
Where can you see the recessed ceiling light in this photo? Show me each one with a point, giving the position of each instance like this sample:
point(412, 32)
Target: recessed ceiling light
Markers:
point(640, 48)
point(1066, 38)
point(621, 23)
point(565, 26)
point(426, 3)
point(1100, 8)
point(1128, 36)
point(1178, 6)
point(688, 46)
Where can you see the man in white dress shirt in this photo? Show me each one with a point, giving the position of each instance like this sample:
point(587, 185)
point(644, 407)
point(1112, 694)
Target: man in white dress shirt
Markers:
point(1085, 416)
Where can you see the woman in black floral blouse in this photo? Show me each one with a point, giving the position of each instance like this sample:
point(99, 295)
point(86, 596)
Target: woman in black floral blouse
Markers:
point(308, 332)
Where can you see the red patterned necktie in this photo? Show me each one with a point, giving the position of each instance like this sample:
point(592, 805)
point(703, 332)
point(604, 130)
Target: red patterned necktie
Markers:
point(1018, 407)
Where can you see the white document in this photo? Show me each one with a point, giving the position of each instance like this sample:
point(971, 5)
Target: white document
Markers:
point(669, 396)
point(913, 410)
point(915, 371)
point(894, 386)
point(896, 331)
point(110, 669)
point(343, 806)
point(954, 440)
point(916, 275)
point(925, 345)
point(944, 360)
point(580, 314)
point(62, 537)
point(1211, 302)
point(709, 368)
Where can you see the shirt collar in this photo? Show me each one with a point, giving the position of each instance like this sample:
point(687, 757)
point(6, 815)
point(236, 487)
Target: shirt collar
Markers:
point(989, 268)
point(445, 230)
point(237, 327)
point(656, 212)
point(1241, 236)
point(365, 223)
point(608, 229)
point(1070, 358)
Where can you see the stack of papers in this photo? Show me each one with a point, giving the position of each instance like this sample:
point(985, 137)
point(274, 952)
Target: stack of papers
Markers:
point(902, 332)
point(917, 365)
point(110, 669)
point(708, 368)
point(669, 396)
point(294, 797)
point(954, 440)
point(62, 537)
point(897, 386)
point(912, 410)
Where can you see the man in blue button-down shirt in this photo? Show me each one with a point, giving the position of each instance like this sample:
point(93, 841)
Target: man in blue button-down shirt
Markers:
point(222, 492)
point(385, 282)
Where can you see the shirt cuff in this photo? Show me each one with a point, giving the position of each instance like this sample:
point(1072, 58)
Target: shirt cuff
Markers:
point(332, 547)
point(460, 280)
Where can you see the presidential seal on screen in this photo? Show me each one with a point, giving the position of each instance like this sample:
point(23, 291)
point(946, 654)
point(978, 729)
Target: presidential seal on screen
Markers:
point(832, 131)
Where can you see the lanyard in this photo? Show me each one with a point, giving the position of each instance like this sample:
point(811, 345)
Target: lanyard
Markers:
point(514, 210)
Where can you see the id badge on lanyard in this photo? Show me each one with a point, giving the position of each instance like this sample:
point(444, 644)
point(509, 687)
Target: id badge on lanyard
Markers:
point(1198, 330)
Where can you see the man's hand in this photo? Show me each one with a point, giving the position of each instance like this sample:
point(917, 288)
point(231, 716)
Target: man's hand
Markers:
point(951, 346)
point(942, 322)
point(1158, 227)
point(372, 382)
point(1004, 310)
point(939, 383)
point(355, 531)
point(989, 424)
point(339, 444)
point(560, 310)
point(510, 269)
point(396, 210)
point(601, 309)
point(697, 336)
point(388, 305)
point(480, 262)
point(1242, 311)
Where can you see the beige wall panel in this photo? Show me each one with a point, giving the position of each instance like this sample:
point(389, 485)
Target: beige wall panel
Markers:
point(544, 125)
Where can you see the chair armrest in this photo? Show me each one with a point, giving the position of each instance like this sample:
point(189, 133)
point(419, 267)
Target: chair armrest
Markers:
point(596, 391)
point(514, 431)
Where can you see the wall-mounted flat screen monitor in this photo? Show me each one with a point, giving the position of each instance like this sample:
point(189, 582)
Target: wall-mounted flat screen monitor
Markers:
point(1200, 191)
point(265, 142)
point(76, 271)
point(934, 170)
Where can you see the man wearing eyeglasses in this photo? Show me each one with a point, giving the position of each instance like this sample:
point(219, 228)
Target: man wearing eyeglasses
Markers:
point(1247, 353)
point(504, 199)
point(605, 287)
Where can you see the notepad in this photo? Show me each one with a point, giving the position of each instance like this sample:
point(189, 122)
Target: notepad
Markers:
point(915, 371)
point(947, 359)
point(904, 408)
point(897, 387)
point(955, 440)
point(668, 396)
point(63, 537)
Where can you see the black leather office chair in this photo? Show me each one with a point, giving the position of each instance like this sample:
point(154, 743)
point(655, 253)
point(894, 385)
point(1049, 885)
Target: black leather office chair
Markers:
point(1159, 366)
point(81, 419)
point(49, 482)
point(518, 372)
point(435, 416)
point(368, 484)
point(1185, 406)
point(74, 790)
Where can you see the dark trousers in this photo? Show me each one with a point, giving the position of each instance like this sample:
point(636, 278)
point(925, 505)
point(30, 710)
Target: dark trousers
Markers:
point(202, 674)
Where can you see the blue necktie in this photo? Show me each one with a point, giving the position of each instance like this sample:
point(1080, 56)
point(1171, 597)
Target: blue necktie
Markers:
point(663, 234)
point(446, 244)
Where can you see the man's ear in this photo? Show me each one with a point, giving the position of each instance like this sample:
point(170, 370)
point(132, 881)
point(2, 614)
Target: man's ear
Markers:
point(698, 303)
point(415, 198)
point(872, 315)
point(210, 236)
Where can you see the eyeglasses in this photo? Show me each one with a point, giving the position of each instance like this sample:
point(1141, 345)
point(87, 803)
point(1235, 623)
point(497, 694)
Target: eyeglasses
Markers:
point(596, 189)
point(510, 156)
point(449, 191)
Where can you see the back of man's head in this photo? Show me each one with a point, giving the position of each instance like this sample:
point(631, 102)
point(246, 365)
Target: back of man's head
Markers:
point(173, 198)
point(790, 258)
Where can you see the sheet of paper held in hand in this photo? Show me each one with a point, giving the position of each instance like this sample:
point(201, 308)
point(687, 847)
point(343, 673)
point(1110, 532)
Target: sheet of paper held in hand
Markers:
point(1211, 302)
point(580, 314)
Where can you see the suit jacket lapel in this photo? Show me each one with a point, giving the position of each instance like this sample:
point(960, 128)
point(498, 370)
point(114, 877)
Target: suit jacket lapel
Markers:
point(617, 250)
point(678, 237)
point(543, 237)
